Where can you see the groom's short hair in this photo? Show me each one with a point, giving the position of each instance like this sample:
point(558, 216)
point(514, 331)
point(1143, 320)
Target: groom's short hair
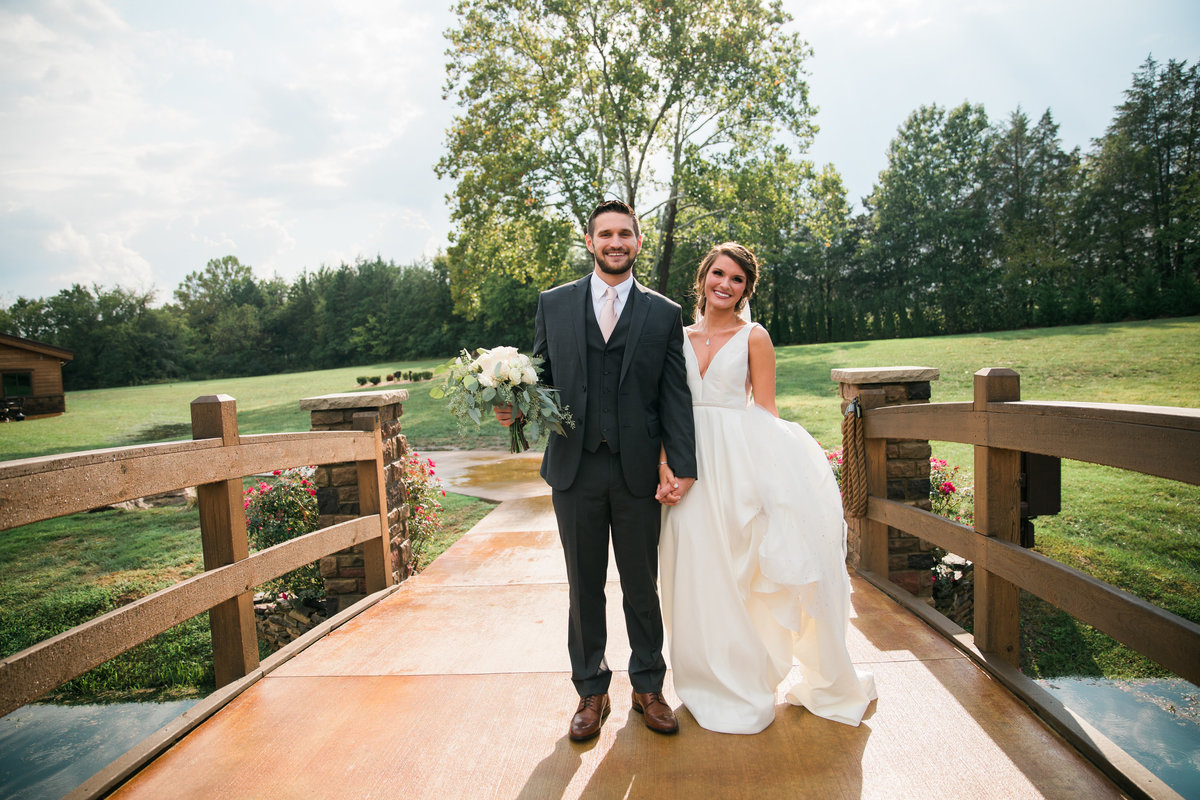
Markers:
point(620, 207)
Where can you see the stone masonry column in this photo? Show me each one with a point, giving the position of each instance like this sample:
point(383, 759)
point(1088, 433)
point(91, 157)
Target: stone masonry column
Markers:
point(909, 558)
point(337, 488)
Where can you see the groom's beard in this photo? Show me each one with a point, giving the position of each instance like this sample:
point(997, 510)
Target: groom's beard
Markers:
point(610, 269)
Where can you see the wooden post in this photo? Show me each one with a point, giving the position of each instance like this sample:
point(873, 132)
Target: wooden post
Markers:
point(372, 499)
point(223, 537)
point(998, 514)
point(874, 554)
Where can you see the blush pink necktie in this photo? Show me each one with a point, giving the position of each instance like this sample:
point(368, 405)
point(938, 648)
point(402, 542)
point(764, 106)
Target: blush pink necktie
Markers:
point(608, 314)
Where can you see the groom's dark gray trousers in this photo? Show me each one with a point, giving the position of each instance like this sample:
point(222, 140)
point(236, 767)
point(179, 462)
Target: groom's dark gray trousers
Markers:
point(597, 502)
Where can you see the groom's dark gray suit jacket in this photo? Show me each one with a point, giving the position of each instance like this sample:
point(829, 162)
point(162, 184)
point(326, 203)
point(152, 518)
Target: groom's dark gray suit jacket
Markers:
point(654, 405)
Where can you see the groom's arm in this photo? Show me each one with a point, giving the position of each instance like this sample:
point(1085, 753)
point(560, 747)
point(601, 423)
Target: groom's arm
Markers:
point(679, 431)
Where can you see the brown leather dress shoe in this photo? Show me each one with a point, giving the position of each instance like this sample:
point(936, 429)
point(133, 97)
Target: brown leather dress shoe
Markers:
point(590, 715)
point(658, 715)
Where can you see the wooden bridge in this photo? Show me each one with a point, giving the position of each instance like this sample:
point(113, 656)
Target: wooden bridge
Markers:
point(455, 683)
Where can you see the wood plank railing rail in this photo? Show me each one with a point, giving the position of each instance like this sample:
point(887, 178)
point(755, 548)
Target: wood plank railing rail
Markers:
point(1152, 440)
point(55, 486)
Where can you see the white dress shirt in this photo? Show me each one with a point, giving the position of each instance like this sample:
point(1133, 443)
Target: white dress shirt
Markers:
point(598, 288)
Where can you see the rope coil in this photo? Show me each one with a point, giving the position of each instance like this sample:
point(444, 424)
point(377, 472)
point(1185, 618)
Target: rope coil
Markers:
point(854, 463)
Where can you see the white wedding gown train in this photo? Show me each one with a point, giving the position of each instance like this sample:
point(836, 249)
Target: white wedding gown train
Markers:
point(752, 564)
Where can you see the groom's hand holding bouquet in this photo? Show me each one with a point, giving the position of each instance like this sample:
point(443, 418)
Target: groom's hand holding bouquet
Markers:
point(506, 380)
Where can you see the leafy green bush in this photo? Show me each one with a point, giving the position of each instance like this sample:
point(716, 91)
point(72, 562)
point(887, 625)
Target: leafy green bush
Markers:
point(424, 506)
point(947, 494)
point(361, 380)
point(277, 512)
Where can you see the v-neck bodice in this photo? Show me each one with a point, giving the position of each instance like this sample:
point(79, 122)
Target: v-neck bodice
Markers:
point(726, 382)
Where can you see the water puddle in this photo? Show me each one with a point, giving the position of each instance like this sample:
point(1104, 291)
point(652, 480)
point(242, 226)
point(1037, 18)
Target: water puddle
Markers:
point(46, 750)
point(1155, 721)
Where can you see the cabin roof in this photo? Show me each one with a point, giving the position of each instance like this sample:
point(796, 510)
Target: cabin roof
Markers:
point(37, 347)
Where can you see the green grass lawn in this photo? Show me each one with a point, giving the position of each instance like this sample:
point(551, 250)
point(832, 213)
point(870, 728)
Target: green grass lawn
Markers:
point(63, 572)
point(162, 412)
point(1141, 534)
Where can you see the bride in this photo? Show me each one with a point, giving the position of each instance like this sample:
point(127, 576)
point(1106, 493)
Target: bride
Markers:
point(752, 559)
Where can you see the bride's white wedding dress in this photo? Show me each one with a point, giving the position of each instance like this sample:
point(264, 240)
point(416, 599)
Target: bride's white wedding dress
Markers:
point(752, 564)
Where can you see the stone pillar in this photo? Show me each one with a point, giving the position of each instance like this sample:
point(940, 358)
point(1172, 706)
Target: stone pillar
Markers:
point(909, 558)
point(337, 488)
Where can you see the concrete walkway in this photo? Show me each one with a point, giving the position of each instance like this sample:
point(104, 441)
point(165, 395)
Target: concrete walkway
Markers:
point(457, 686)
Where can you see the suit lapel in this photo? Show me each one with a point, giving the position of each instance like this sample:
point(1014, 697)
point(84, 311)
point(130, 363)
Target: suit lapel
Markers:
point(580, 308)
point(639, 307)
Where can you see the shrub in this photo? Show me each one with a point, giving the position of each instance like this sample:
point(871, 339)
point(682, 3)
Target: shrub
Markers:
point(362, 380)
point(947, 495)
point(375, 379)
point(835, 459)
point(424, 508)
point(277, 512)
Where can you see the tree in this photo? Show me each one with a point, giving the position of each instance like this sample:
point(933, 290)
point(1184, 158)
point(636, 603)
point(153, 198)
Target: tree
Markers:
point(28, 318)
point(1142, 189)
point(223, 307)
point(117, 337)
point(1032, 186)
point(566, 102)
point(931, 240)
point(828, 246)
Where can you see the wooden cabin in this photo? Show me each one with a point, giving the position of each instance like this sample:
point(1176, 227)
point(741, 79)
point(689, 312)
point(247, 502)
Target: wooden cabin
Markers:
point(31, 374)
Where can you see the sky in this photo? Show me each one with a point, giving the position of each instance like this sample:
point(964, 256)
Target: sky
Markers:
point(139, 140)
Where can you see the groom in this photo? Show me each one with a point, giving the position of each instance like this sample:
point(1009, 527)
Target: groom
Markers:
point(614, 349)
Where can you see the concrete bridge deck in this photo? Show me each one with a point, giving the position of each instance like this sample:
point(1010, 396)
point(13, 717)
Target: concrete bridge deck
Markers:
point(457, 686)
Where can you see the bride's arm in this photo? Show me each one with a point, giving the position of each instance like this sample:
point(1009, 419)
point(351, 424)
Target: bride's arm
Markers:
point(762, 369)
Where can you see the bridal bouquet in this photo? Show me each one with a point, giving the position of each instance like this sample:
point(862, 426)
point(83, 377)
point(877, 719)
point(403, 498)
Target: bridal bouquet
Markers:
point(503, 376)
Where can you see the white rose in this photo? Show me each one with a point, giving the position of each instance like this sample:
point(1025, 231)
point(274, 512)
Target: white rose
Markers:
point(514, 375)
point(505, 353)
point(486, 379)
point(529, 375)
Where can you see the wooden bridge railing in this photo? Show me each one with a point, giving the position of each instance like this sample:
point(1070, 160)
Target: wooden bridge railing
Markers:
point(1151, 440)
point(215, 462)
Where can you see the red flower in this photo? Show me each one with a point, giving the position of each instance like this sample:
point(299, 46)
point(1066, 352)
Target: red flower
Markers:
point(312, 492)
point(947, 487)
point(277, 472)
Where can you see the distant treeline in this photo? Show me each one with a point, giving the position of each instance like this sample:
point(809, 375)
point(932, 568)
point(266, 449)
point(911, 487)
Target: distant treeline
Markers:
point(972, 226)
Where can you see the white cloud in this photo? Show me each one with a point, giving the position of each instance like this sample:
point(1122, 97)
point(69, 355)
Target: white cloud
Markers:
point(869, 19)
point(140, 140)
point(103, 259)
point(170, 135)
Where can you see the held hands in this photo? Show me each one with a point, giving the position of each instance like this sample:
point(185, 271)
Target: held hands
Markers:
point(671, 489)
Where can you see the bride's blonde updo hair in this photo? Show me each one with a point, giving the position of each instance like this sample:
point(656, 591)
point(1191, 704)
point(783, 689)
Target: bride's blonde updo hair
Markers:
point(742, 256)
